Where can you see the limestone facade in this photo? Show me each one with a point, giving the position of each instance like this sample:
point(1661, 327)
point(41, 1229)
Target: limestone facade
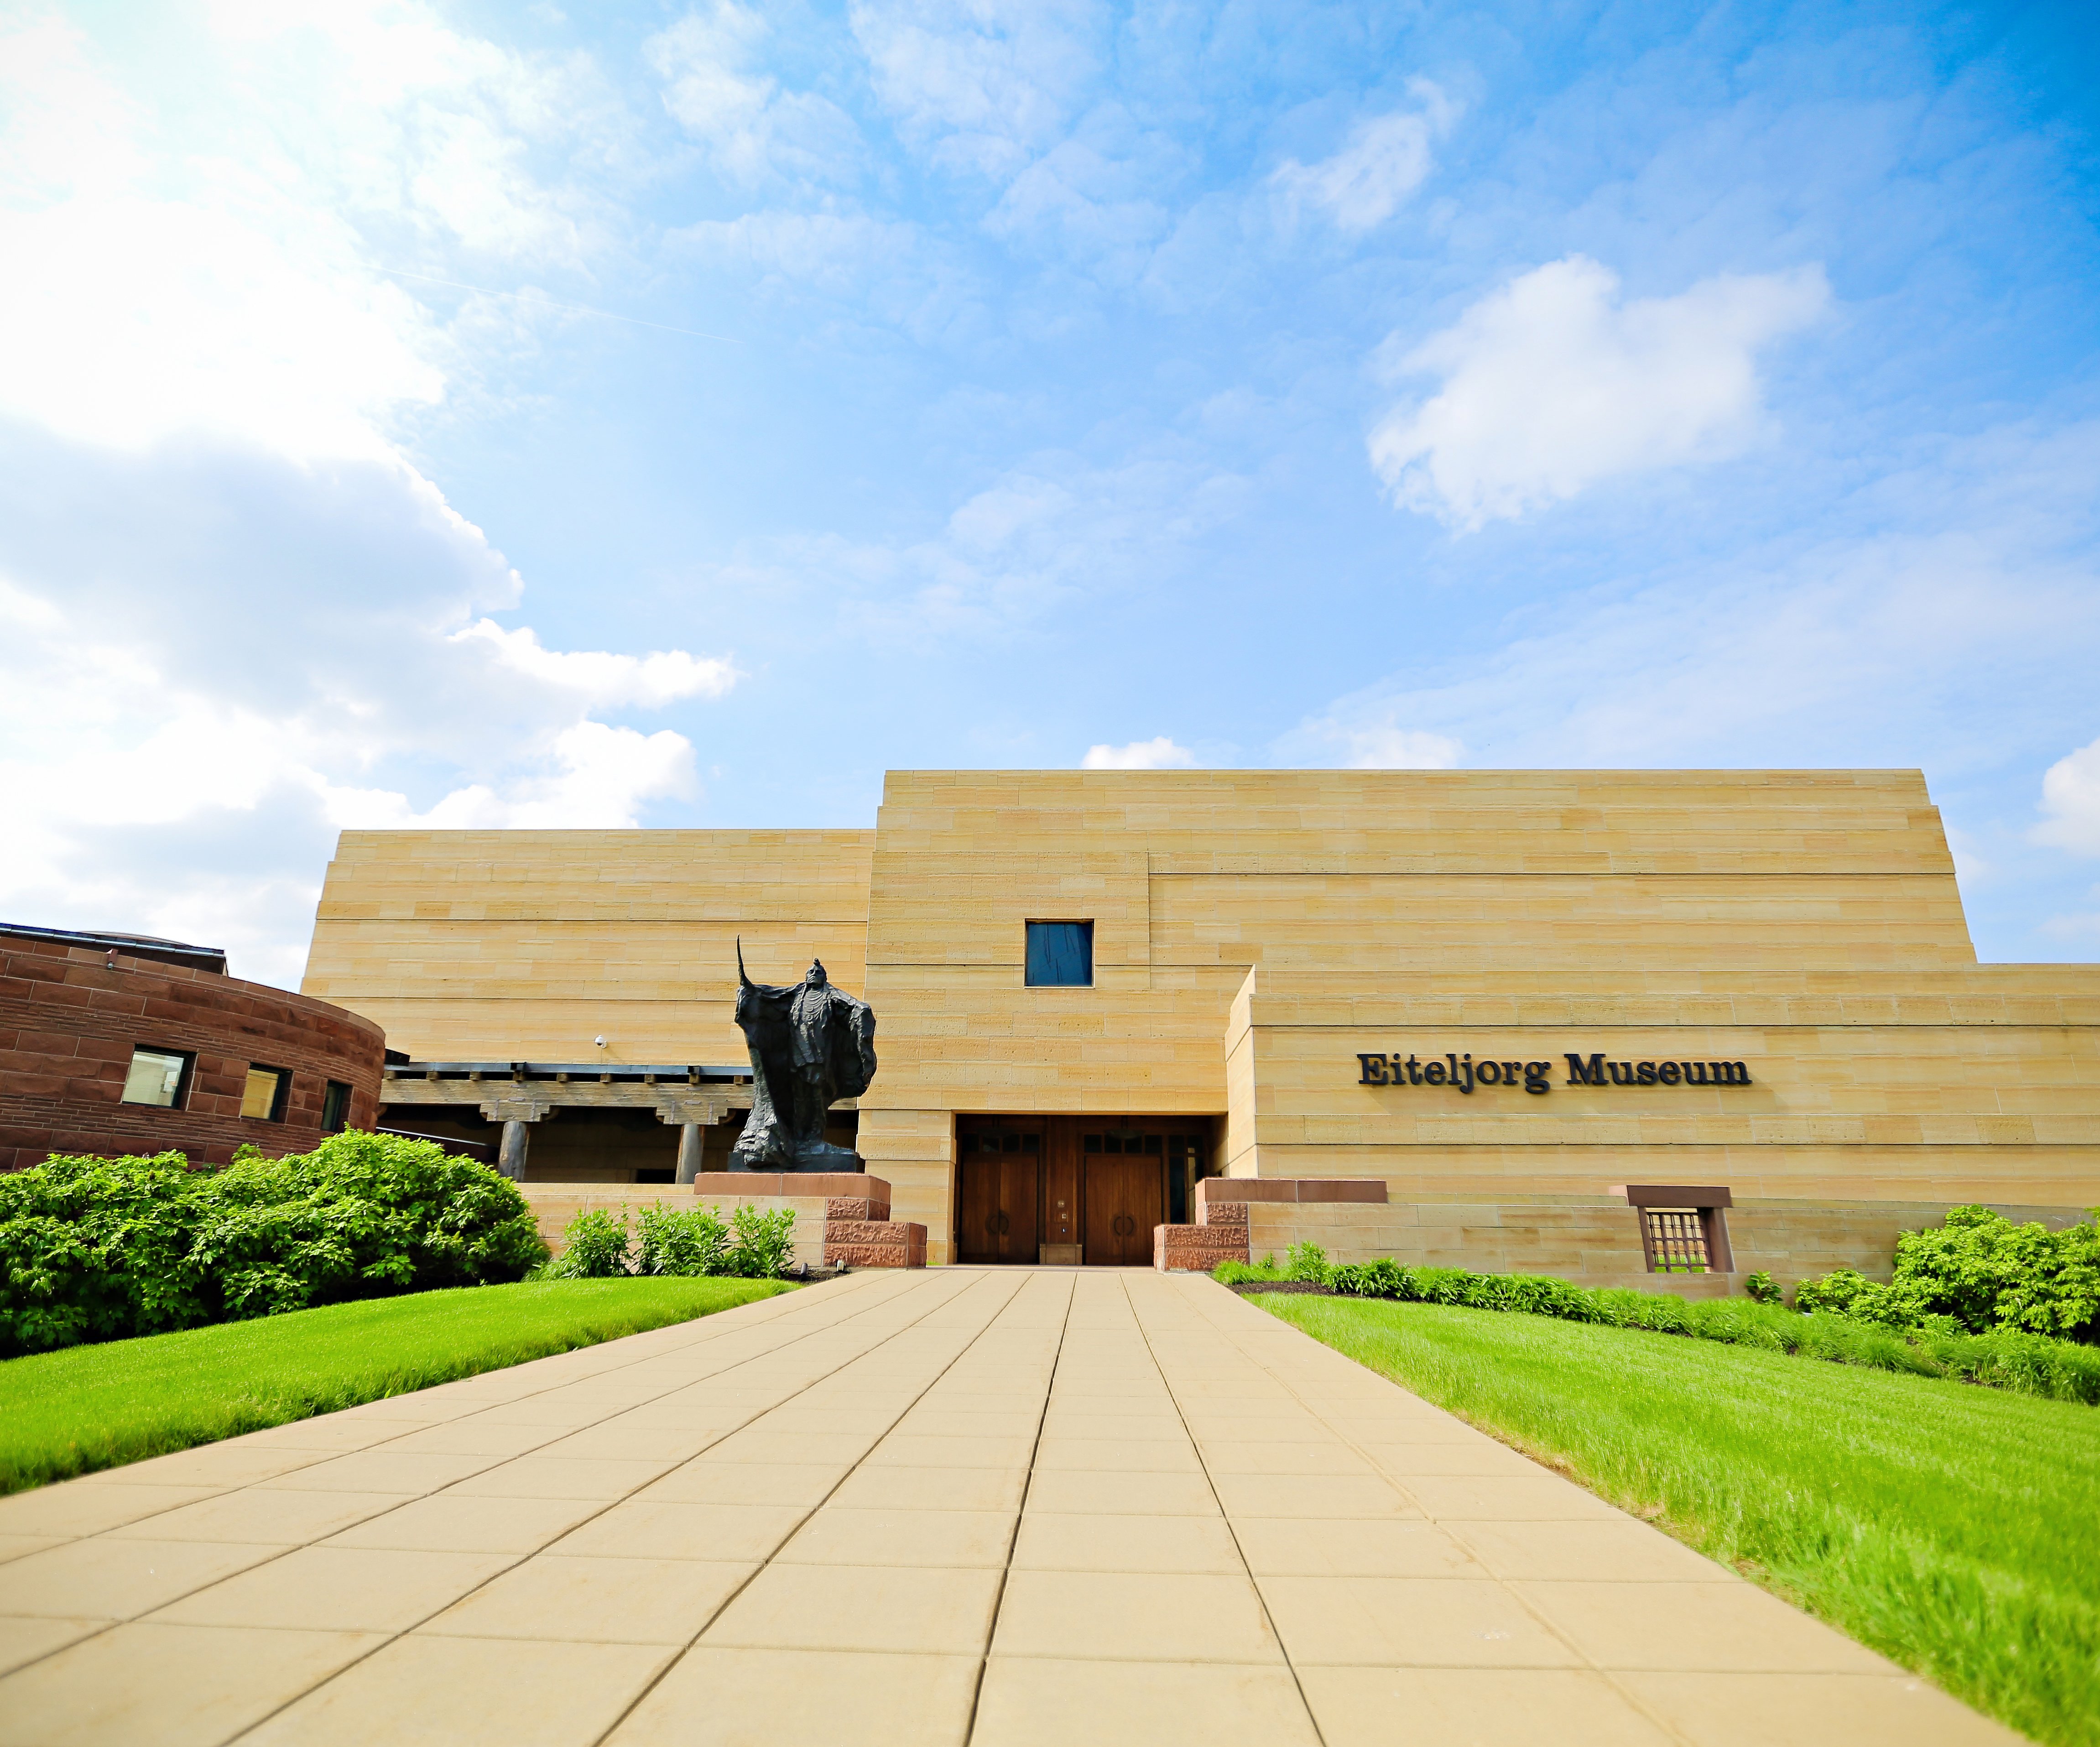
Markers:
point(1261, 938)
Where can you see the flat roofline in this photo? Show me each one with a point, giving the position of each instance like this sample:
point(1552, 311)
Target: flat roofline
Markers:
point(590, 1070)
point(212, 959)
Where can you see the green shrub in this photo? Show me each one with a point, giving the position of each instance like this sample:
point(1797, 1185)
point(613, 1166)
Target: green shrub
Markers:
point(689, 1243)
point(760, 1242)
point(594, 1247)
point(101, 1249)
point(1763, 1289)
point(752, 1245)
point(1935, 1346)
point(1309, 1262)
point(1978, 1272)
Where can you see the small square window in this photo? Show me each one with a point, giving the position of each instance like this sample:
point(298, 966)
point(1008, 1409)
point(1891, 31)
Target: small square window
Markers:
point(1061, 955)
point(335, 1108)
point(158, 1076)
point(262, 1098)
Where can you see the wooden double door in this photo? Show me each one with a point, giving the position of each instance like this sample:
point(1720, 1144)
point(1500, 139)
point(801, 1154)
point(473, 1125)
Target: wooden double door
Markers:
point(1071, 1189)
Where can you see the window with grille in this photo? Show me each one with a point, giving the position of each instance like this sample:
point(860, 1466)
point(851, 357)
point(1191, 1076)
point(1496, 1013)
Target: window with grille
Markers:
point(1676, 1239)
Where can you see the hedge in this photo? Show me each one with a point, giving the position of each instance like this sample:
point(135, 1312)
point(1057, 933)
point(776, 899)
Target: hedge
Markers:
point(100, 1249)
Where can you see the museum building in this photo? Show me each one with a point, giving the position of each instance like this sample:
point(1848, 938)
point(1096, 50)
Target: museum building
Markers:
point(1601, 1025)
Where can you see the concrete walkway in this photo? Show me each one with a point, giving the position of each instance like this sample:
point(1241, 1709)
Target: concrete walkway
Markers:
point(999, 1506)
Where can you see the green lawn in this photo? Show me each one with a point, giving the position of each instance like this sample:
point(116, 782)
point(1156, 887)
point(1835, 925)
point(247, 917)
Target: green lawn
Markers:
point(84, 1407)
point(1955, 1529)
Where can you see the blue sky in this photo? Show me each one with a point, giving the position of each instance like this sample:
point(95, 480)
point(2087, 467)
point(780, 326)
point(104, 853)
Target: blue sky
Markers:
point(485, 415)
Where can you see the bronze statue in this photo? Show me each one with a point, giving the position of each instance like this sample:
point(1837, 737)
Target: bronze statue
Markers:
point(810, 1045)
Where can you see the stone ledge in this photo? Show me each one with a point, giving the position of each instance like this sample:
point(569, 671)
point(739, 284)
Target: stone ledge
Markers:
point(857, 1207)
point(1218, 1191)
point(740, 1185)
point(902, 1245)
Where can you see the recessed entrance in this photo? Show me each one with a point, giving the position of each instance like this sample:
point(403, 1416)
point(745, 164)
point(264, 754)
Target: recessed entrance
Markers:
point(1074, 1189)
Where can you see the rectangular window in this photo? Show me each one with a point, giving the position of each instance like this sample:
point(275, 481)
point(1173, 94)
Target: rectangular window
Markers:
point(1676, 1241)
point(158, 1076)
point(335, 1108)
point(1061, 955)
point(264, 1097)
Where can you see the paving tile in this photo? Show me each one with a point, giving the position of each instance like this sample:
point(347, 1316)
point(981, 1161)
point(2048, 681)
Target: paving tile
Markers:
point(474, 1437)
point(109, 1579)
point(1407, 1460)
point(775, 1447)
point(71, 1508)
point(409, 1473)
point(662, 1529)
point(1347, 1547)
point(1031, 1701)
point(450, 1524)
point(14, 1547)
point(1427, 1427)
point(116, 1687)
point(1447, 1622)
point(339, 1589)
point(805, 1698)
point(904, 1451)
point(659, 1601)
point(1482, 1707)
point(1230, 1456)
point(1089, 1493)
point(1112, 1423)
point(868, 1489)
point(1118, 1455)
point(560, 1477)
point(236, 1462)
point(260, 1514)
point(941, 1610)
point(1096, 1616)
point(1516, 1498)
point(25, 1638)
point(1616, 1550)
point(1098, 1543)
point(447, 1692)
point(1861, 1710)
point(1358, 1497)
point(706, 1481)
point(622, 1440)
point(958, 1422)
point(1723, 1625)
point(836, 1536)
point(335, 1431)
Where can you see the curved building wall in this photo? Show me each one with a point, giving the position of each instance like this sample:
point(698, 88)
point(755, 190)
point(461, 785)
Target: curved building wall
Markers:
point(71, 1017)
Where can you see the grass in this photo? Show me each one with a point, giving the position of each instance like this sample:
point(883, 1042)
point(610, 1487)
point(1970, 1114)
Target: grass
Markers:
point(84, 1407)
point(1954, 1529)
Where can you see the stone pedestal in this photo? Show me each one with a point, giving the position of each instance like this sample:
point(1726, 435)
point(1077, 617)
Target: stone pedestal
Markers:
point(1223, 1231)
point(851, 1208)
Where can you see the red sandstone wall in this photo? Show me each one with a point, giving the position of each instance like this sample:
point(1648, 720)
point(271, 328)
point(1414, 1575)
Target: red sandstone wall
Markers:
point(68, 1025)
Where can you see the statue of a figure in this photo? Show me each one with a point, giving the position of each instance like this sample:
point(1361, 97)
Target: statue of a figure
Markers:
point(810, 1046)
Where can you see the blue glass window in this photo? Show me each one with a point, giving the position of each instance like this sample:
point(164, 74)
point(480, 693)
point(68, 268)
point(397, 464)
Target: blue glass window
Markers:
point(1061, 954)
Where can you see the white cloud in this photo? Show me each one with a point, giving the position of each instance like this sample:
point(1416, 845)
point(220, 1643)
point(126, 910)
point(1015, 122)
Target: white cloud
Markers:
point(2071, 798)
point(1387, 159)
point(753, 128)
point(1157, 754)
point(1552, 384)
point(233, 615)
point(1375, 741)
point(982, 84)
point(599, 679)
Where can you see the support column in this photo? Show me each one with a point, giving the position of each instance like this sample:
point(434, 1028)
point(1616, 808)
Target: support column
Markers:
point(692, 1140)
point(510, 1158)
